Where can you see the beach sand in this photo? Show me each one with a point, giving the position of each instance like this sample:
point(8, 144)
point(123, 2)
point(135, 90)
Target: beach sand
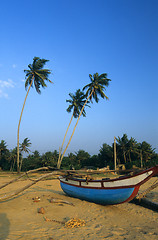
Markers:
point(19, 217)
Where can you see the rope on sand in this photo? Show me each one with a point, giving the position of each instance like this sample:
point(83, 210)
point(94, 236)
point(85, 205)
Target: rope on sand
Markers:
point(75, 222)
point(72, 223)
point(144, 193)
point(143, 201)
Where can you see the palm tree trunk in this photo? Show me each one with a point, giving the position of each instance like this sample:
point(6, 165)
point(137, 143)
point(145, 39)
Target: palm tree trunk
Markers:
point(21, 162)
point(115, 153)
point(75, 128)
point(141, 159)
point(129, 155)
point(58, 164)
point(18, 168)
point(12, 167)
point(124, 155)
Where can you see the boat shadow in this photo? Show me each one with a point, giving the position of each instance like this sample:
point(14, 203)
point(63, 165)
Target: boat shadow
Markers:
point(146, 203)
point(4, 226)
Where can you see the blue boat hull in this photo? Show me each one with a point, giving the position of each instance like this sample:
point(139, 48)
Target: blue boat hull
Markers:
point(112, 191)
point(100, 196)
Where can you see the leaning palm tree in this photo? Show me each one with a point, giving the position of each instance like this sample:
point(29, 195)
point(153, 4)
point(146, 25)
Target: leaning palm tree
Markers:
point(94, 89)
point(37, 75)
point(24, 147)
point(76, 104)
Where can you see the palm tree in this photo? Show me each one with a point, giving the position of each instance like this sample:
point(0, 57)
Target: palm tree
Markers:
point(3, 147)
point(145, 152)
point(37, 75)
point(3, 151)
point(13, 158)
point(76, 103)
point(131, 148)
point(105, 155)
point(82, 157)
point(94, 89)
point(122, 146)
point(24, 147)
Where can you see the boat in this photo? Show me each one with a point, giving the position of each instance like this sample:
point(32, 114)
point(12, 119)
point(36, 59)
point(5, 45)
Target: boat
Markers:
point(106, 191)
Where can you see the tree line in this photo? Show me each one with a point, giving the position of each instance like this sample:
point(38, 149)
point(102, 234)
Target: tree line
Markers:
point(129, 152)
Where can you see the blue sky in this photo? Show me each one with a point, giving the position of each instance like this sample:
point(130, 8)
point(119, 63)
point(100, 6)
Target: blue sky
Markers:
point(79, 38)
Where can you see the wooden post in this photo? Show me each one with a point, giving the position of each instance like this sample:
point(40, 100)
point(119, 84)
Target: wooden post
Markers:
point(115, 153)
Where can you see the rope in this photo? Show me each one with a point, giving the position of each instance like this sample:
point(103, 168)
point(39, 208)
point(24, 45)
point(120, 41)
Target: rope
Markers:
point(72, 223)
point(33, 180)
point(144, 193)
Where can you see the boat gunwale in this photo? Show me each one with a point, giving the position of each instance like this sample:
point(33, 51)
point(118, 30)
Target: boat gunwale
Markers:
point(153, 169)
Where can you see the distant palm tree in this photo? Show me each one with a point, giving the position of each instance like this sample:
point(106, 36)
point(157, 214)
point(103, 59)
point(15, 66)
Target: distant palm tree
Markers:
point(145, 152)
point(24, 147)
point(76, 103)
point(13, 158)
point(3, 150)
point(131, 148)
point(123, 146)
point(37, 75)
point(3, 147)
point(95, 88)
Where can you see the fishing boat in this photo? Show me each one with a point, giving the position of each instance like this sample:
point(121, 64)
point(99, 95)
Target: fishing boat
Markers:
point(106, 191)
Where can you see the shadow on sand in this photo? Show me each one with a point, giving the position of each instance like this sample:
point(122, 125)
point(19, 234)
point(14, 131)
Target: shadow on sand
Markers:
point(4, 226)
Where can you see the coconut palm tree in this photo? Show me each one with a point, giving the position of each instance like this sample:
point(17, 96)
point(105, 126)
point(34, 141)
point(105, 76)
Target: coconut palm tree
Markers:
point(3, 147)
point(24, 147)
point(123, 146)
point(13, 158)
point(94, 89)
point(97, 86)
point(34, 75)
point(76, 103)
point(131, 148)
point(3, 151)
point(145, 152)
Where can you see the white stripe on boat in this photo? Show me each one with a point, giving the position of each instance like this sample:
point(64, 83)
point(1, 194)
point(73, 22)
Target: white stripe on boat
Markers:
point(77, 183)
point(132, 181)
point(129, 181)
point(91, 184)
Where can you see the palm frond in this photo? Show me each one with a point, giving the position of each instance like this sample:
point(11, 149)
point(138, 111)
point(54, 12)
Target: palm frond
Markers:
point(77, 102)
point(37, 84)
point(37, 72)
point(96, 87)
point(39, 63)
point(28, 81)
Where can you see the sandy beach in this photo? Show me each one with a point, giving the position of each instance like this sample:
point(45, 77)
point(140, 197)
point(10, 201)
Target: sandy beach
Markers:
point(19, 217)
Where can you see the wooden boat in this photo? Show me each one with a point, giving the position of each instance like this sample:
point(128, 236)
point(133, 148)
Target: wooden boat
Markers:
point(107, 191)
